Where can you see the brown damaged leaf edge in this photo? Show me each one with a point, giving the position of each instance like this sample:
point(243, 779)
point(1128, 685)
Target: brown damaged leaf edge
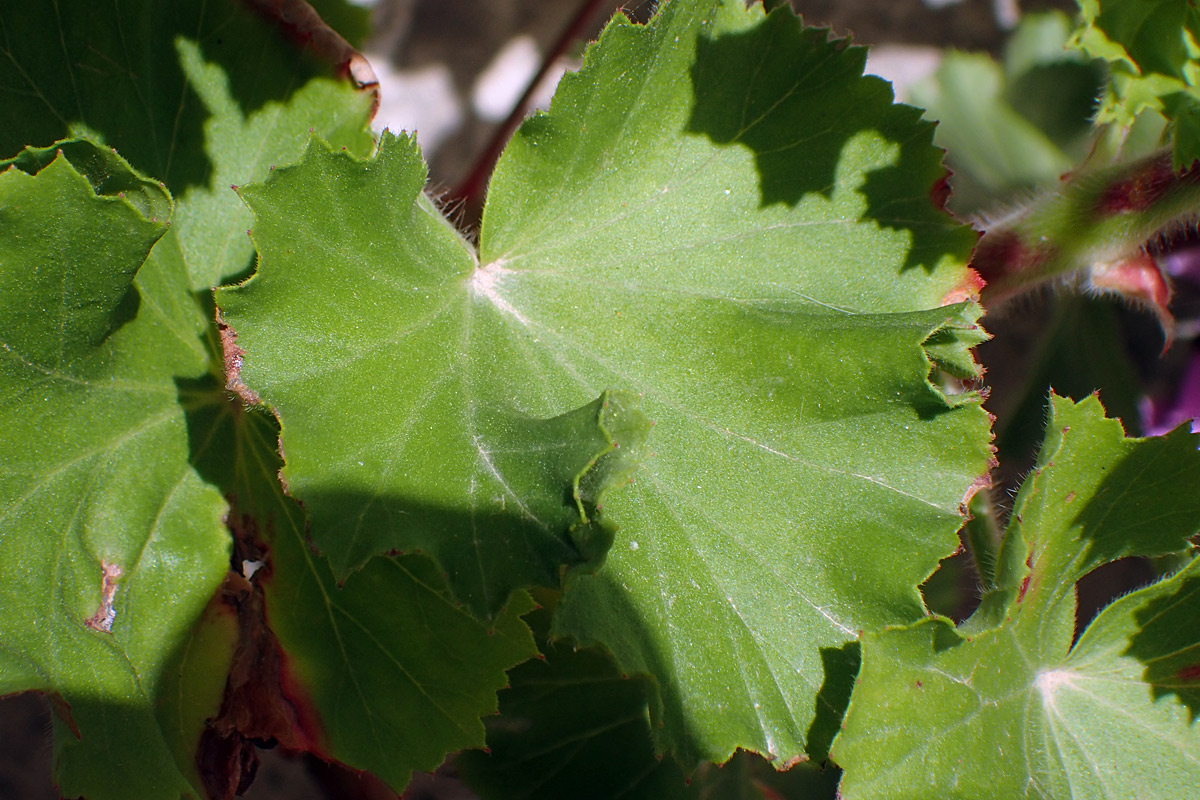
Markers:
point(233, 356)
point(304, 26)
point(263, 703)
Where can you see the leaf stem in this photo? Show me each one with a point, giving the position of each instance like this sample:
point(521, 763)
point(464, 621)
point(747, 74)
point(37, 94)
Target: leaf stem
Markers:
point(470, 190)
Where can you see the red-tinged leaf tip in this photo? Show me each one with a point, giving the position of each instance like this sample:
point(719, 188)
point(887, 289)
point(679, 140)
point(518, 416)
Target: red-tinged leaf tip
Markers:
point(487, 750)
point(969, 288)
point(1024, 587)
point(940, 192)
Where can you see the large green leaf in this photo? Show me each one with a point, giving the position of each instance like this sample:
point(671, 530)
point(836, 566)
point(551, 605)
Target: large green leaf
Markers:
point(448, 464)
point(1153, 51)
point(1005, 706)
point(383, 672)
point(197, 94)
point(700, 222)
point(110, 543)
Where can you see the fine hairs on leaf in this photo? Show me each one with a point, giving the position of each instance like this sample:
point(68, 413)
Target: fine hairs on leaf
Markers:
point(636, 488)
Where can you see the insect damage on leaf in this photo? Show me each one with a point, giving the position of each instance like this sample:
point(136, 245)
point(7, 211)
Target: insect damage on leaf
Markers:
point(106, 614)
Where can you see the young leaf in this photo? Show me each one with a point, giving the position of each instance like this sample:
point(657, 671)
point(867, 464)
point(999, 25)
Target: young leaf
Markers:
point(384, 672)
point(768, 302)
point(1153, 51)
point(1005, 705)
point(197, 94)
point(110, 543)
point(1001, 148)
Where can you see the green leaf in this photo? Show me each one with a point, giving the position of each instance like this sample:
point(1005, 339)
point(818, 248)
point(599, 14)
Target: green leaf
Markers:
point(1017, 124)
point(384, 672)
point(769, 309)
point(1005, 706)
point(197, 94)
point(998, 146)
point(110, 543)
point(425, 452)
point(570, 725)
point(1153, 51)
point(1080, 351)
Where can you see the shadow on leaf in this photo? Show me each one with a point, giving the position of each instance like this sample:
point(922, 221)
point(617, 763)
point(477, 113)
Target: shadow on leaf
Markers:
point(1167, 642)
point(796, 98)
point(114, 72)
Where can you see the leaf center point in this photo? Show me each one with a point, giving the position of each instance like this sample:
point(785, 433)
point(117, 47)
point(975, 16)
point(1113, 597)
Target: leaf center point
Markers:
point(485, 284)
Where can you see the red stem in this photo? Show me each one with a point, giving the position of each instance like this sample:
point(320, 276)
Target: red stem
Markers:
point(470, 190)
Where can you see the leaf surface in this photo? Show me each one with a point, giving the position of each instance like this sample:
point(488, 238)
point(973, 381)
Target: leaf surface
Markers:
point(110, 543)
point(1005, 705)
point(197, 94)
point(768, 305)
point(570, 725)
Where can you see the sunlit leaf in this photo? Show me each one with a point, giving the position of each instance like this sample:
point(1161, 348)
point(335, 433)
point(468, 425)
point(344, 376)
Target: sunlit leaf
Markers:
point(764, 283)
point(1006, 705)
point(110, 543)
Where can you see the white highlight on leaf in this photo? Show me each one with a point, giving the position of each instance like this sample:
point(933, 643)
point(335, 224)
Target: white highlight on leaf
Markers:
point(486, 283)
point(1048, 682)
point(485, 457)
point(106, 614)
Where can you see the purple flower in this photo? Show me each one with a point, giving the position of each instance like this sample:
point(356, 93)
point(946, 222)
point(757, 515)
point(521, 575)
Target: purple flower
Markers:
point(1164, 414)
